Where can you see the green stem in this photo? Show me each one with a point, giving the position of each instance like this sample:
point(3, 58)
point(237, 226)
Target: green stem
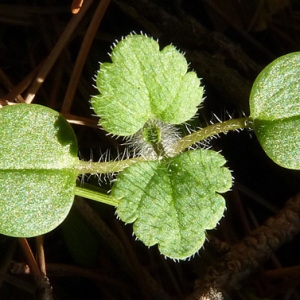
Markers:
point(210, 131)
point(87, 167)
point(95, 195)
point(159, 149)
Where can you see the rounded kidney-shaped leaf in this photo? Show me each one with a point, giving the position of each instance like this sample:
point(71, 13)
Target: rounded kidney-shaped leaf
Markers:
point(275, 109)
point(143, 83)
point(173, 202)
point(38, 155)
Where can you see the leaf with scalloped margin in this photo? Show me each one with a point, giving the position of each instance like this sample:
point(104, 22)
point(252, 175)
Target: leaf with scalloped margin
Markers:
point(172, 202)
point(275, 109)
point(38, 155)
point(143, 83)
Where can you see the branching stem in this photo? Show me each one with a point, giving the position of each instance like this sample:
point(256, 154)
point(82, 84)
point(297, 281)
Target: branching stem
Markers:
point(86, 167)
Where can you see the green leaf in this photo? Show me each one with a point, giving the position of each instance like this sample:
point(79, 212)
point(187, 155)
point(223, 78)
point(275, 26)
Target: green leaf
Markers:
point(143, 83)
point(173, 202)
point(38, 155)
point(275, 109)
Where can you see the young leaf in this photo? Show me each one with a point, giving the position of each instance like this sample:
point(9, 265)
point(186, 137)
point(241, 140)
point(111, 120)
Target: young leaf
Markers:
point(143, 83)
point(275, 109)
point(172, 202)
point(38, 155)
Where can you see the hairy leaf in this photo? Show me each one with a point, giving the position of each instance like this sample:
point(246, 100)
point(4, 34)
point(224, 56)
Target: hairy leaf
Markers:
point(38, 153)
point(275, 109)
point(143, 83)
point(173, 202)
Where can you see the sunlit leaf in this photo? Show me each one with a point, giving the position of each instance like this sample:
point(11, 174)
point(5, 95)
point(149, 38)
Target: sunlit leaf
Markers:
point(275, 109)
point(38, 154)
point(172, 203)
point(143, 83)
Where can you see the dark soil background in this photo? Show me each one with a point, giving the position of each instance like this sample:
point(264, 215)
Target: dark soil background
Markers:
point(92, 255)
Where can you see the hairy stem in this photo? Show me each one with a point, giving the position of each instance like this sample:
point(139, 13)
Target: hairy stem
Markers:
point(210, 131)
point(87, 167)
point(159, 149)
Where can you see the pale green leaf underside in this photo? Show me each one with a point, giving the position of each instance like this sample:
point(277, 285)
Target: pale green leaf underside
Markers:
point(38, 155)
point(275, 109)
point(34, 202)
point(275, 93)
point(143, 83)
point(281, 141)
point(173, 202)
